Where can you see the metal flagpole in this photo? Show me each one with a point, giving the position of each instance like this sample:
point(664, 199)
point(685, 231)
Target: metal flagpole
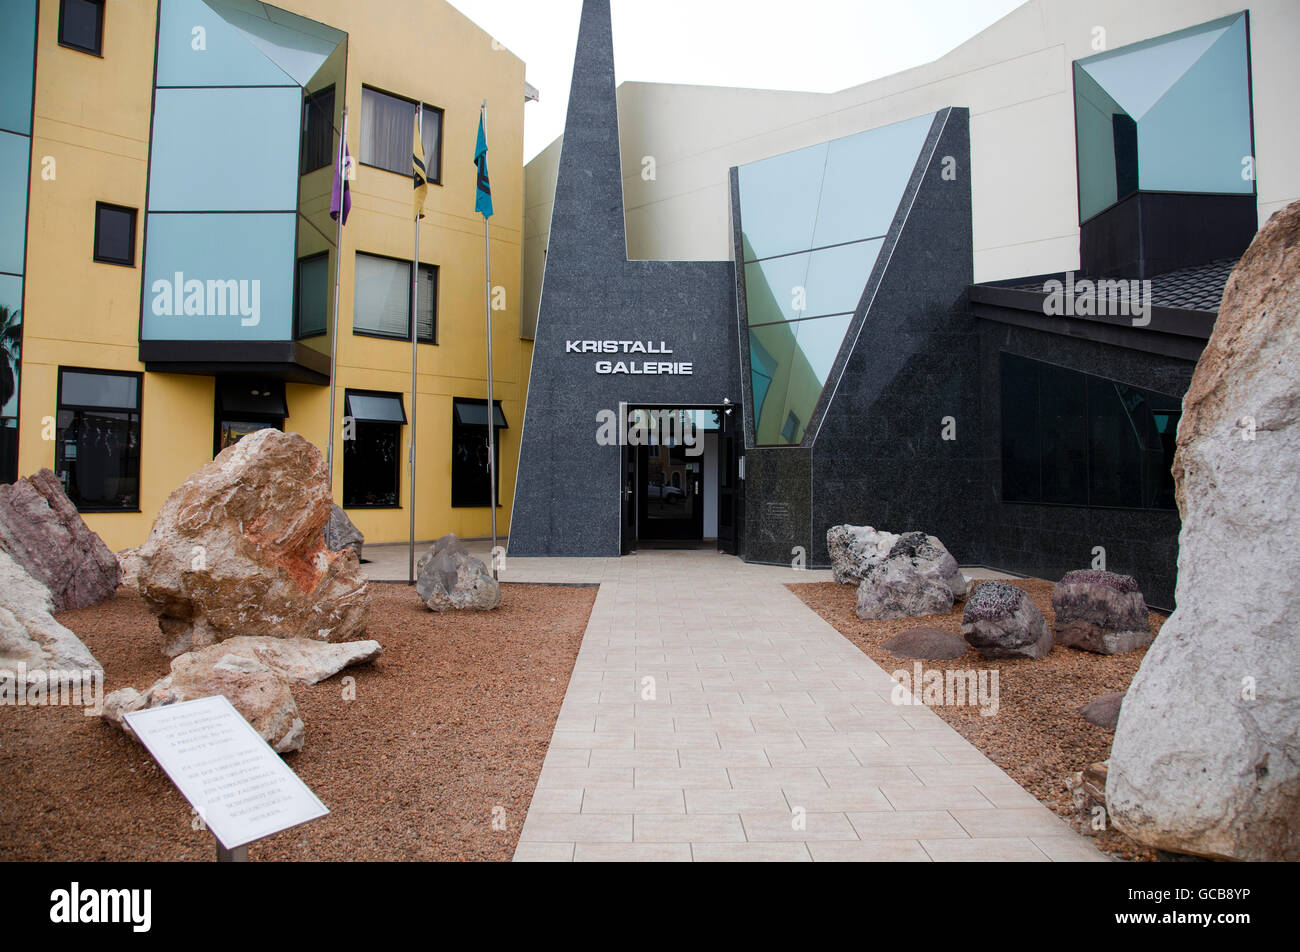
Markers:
point(491, 407)
point(338, 269)
point(415, 338)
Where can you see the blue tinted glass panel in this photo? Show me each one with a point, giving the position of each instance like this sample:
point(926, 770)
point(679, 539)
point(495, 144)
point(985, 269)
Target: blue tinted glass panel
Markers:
point(227, 58)
point(865, 178)
point(778, 199)
point(817, 284)
point(14, 151)
point(17, 55)
point(1168, 114)
point(794, 361)
point(200, 164)
point(236, 277)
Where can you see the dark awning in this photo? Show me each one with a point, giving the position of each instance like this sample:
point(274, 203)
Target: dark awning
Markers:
point(375, 407)
point(251, 396)
point(474, 413)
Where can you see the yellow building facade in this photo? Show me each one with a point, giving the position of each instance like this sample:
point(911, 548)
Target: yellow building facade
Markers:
point(97, 184)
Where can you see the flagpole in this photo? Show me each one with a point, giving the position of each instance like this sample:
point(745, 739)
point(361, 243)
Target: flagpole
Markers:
point(415, 339)
point(338, 269)
point(491, 407)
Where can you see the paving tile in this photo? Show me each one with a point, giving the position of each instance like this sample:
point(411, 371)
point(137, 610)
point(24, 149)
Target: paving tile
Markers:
point(683, 778)
point(921, 797)
point(1071, 848)
point(1009, 849)
point(548, 799)
point(633, 853)
point(798, 827)
point(736, 801)
point(577, 828)
point(774, 777)
point(1014, 821)
point(870, 851)
point(837, 800)
point(914, 825)
point(544, 853)
point(689, 828)
point(642, 800)
point(750, 852)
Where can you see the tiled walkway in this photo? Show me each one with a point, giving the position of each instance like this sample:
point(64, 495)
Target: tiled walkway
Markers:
point(713, 716)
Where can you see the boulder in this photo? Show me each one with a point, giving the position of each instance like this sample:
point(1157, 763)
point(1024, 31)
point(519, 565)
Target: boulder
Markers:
point(1087, 789)
point(341, 534)
point(893, 590)
point(854, 548)
point(296, 660)
point(29, 634)
point(927, 644)
point(239, 549)
point(1205, 758)
point(129, 560)
point(1101, 612)
point(255, 690)
point(916, 577)
point(1002, 621)
point(1104, 711)
point(43, 532)
point(448, 577)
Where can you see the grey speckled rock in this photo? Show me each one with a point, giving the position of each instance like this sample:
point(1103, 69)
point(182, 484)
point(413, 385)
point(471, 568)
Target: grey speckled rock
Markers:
point(42, 530)
point(1104, 711)
point(1206, 758)
point(1002, 621)
point(917, 577)
point(341, 534)
point(1101, 612)
point(853, 549)
point(449, 578)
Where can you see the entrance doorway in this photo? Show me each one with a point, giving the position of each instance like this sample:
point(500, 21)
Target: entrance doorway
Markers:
point(680, 478)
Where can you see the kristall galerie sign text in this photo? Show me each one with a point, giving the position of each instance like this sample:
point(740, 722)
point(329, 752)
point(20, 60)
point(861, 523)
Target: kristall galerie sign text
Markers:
point(632, 367)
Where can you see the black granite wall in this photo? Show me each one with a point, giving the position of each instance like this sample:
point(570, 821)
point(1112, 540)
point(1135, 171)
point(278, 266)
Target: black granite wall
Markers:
point(567, 492)
point(1049, 540)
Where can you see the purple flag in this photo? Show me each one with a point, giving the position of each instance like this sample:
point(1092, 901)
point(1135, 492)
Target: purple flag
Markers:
point(341, 201)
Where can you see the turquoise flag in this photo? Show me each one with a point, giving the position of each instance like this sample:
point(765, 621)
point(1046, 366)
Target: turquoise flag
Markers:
point(483, 203)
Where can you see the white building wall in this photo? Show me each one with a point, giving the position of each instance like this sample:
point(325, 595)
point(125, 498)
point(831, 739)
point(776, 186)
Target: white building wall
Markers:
point(1015, 77)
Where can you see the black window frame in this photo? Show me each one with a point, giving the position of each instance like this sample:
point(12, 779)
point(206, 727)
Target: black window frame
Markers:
point(442, 127)
point(404, 338)
point(138, 411)
point(100, 258)
point(480, 498)
point(98, 49)
point(314, 104)
point(349, 501)
point(220, 415)
point(297, 298)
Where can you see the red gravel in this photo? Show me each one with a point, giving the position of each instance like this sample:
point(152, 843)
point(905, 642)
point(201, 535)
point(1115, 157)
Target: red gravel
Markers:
point(1038, 735)
point(452, 722)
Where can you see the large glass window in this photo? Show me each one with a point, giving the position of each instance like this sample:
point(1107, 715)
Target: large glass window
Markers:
point(813, 223)
point(386, 125)
point(1078, 439)
point(81, 25)
point(1169, 114)
point(246, 405)
point(114, 234)
point(97, 442)
point(382, 301)
point(372, 450)
point(470, 483)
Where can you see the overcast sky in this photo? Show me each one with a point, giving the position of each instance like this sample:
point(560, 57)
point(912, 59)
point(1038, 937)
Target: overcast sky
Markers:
point(809, 45)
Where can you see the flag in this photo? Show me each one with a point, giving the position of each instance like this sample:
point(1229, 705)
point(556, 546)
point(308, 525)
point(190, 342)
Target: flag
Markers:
point(341, 193)
point(418, 173)
point(483, 203)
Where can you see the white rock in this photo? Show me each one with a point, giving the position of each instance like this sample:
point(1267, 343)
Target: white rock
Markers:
point(28, 631)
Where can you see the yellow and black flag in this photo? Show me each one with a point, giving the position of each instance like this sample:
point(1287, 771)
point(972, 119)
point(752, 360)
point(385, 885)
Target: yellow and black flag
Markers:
point(419, 175)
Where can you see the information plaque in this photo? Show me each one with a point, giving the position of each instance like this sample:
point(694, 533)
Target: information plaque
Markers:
point(238, 785)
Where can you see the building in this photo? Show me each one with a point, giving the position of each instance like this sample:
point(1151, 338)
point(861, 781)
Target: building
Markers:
point(967, 298)
point(167, 258)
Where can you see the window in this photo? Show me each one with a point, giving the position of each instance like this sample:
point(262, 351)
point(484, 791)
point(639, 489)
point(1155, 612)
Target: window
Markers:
point(1076, 439)
point(372, 445)
point(382, 304)
point(311, 295)
point(97, 443)
point(81, 25)
point(318, 130)
point(114, 234)
point(469, 453)
point(386, 126)
point(246, 405)
point(1168, 114)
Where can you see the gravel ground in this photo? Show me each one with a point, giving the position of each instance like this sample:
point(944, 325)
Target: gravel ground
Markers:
point(452, 722)
point(1038, 735)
